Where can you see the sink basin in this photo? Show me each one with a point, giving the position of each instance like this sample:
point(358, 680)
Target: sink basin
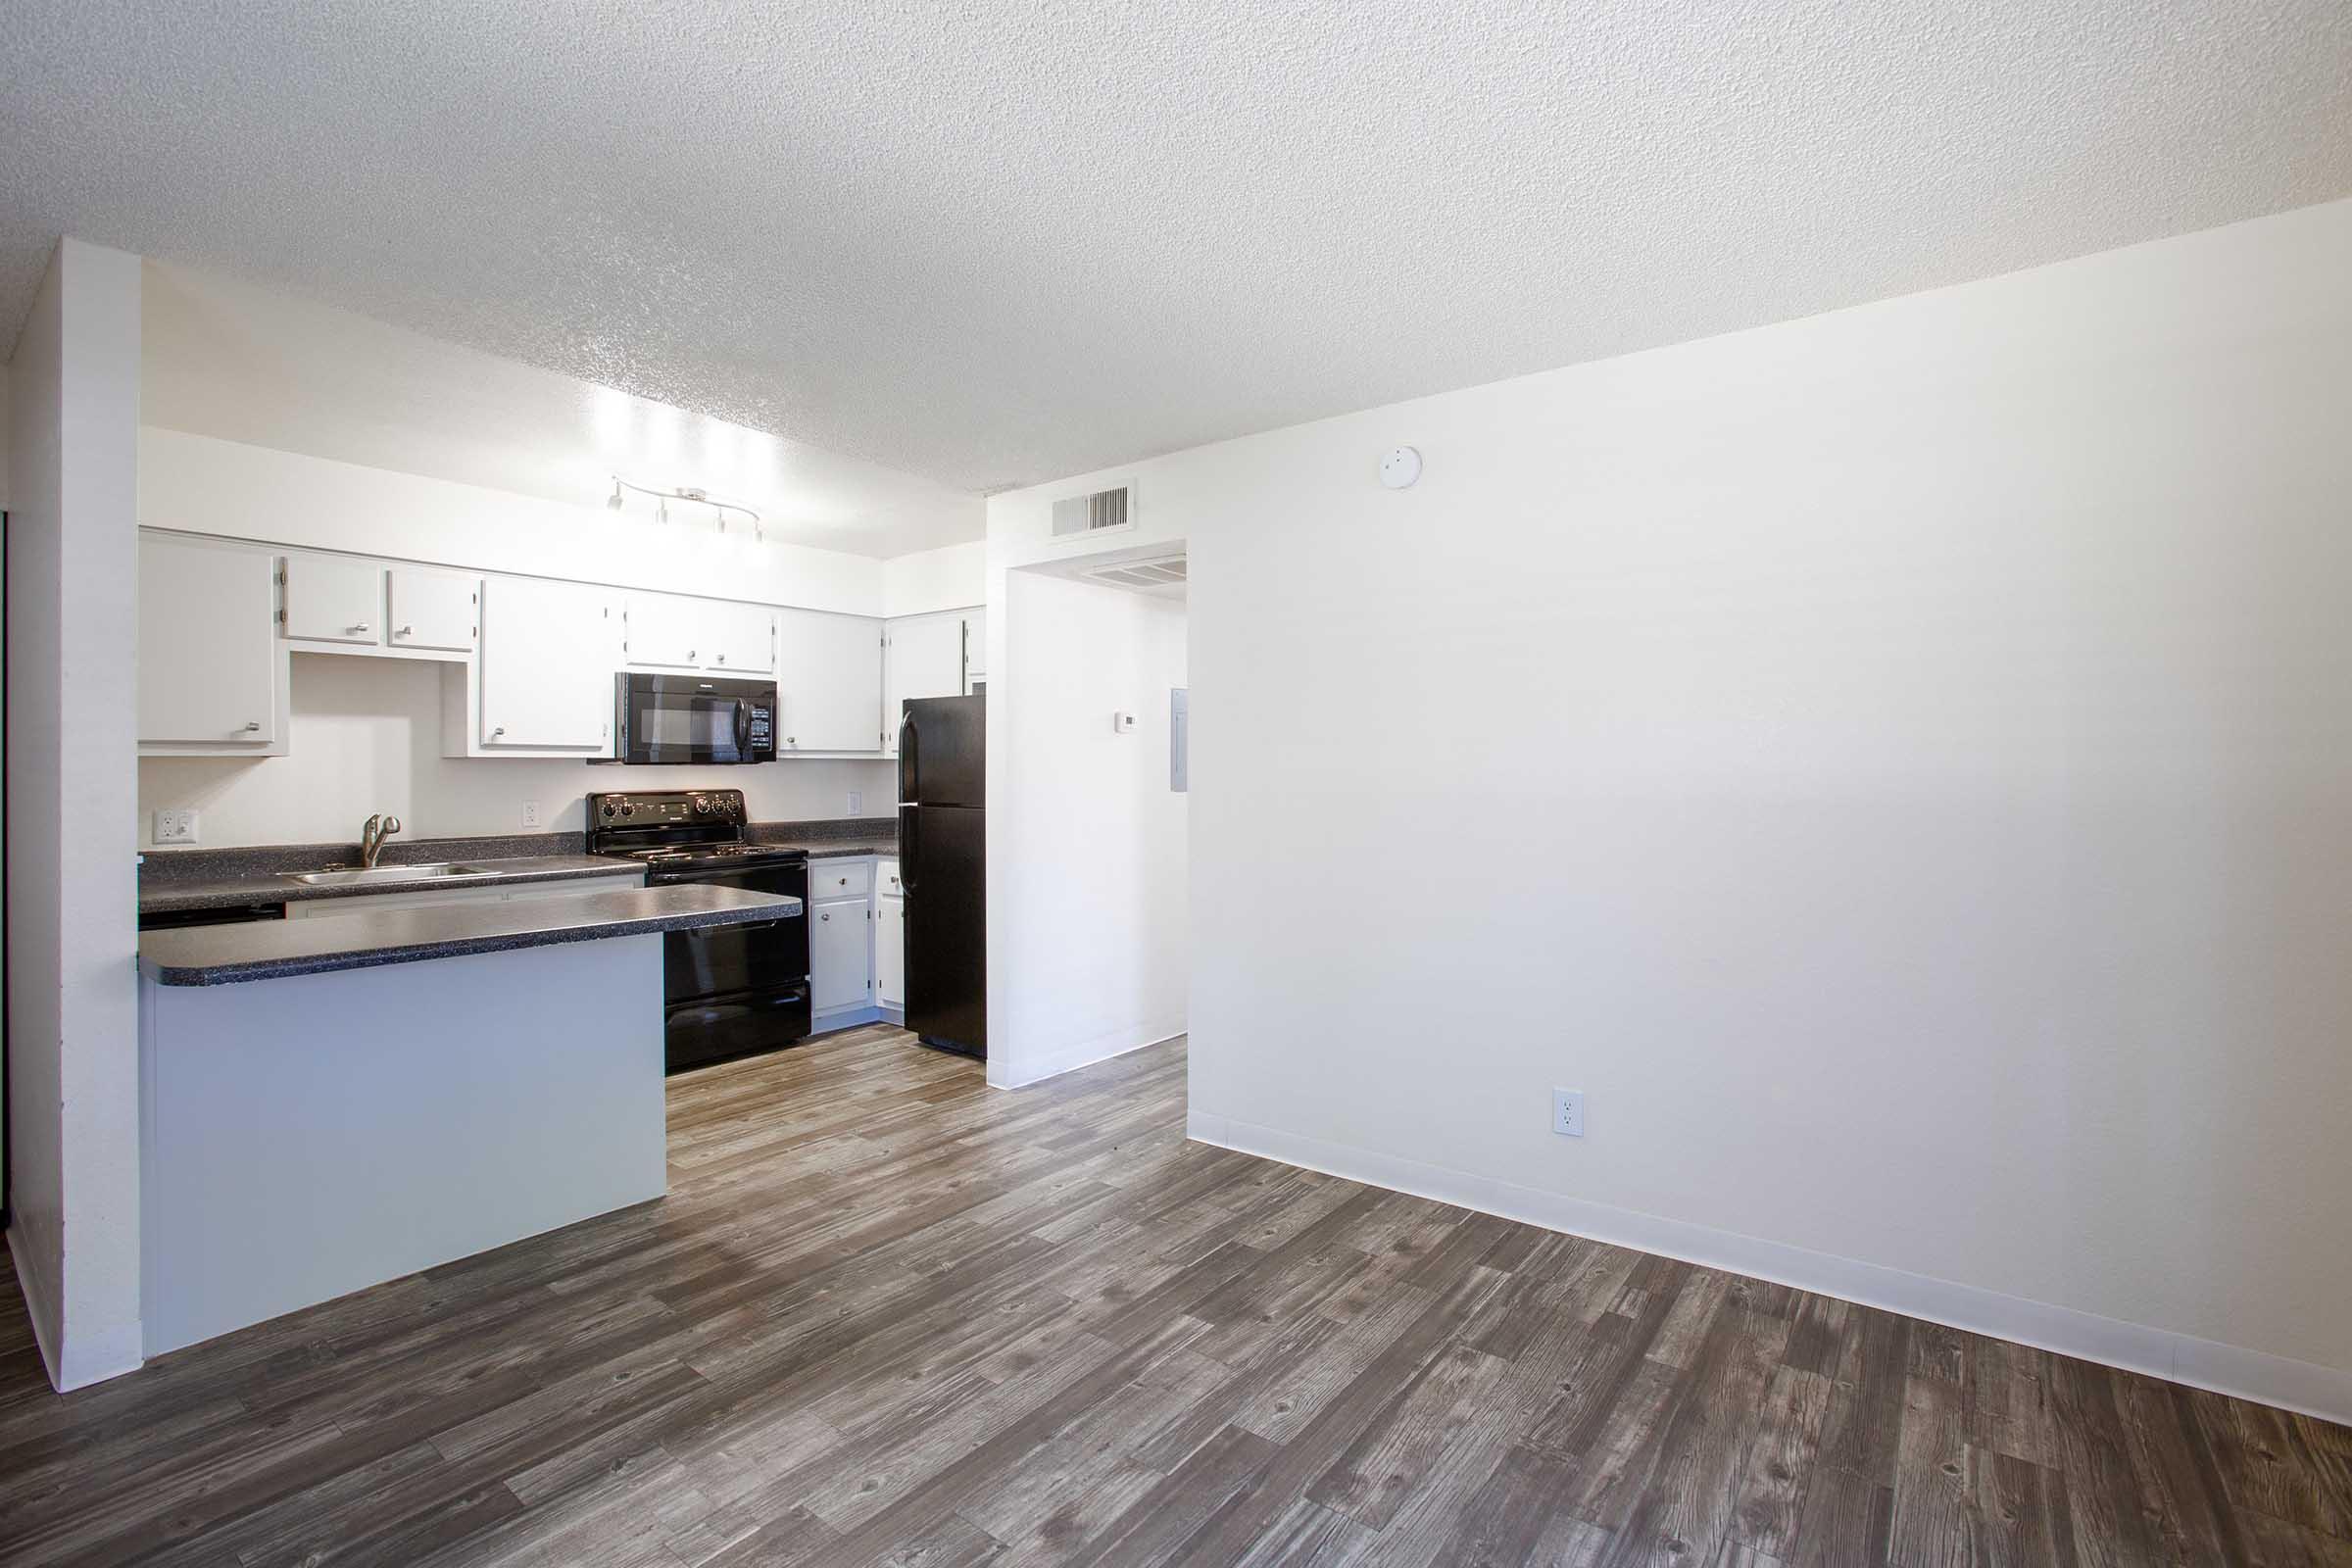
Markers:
point(429, 871)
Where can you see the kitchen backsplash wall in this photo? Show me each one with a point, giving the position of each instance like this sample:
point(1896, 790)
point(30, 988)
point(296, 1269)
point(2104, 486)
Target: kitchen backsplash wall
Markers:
point(366, 737)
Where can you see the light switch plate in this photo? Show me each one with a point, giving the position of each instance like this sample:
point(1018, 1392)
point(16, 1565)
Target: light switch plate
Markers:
point(177, 825)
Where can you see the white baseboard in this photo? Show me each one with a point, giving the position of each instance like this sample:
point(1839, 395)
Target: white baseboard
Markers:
point(2274, 1380)
point(91, 1358)
point(1085, 1053)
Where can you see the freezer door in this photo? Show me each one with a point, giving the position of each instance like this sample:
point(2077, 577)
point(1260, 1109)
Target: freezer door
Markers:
point(943, 752)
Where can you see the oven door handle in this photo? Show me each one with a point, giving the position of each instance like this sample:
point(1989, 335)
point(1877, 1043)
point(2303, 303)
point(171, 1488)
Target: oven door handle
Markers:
point(746, 926)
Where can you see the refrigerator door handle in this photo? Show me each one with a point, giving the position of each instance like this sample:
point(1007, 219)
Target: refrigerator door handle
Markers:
point(907, 849)
point(907, 771)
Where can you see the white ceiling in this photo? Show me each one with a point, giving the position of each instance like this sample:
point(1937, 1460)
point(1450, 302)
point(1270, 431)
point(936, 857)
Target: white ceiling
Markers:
point(224, 358)
point(997, 241)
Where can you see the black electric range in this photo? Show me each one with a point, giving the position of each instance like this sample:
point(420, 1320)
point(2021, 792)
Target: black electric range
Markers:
point(735, 989)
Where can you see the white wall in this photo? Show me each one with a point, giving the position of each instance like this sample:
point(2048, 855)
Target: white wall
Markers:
point(1897, 763)
point(1087, 844)
point(951, 577)
point(367, 738)
point(197, 484)
point(73, 1046)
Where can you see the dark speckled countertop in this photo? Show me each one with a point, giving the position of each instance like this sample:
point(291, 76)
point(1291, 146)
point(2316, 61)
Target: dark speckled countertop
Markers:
point(175, 880)
point(835, 848)
point(271, 949)
point(169, 894)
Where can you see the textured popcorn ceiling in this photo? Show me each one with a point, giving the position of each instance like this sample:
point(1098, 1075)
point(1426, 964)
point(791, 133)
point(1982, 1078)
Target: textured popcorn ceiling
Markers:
point(1002, 242)
point(224, 358)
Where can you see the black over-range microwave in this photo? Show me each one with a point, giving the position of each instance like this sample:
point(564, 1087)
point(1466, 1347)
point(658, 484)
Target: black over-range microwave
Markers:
point(687, 719)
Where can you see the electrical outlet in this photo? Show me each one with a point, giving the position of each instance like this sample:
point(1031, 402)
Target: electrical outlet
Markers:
point(175, 826)
point(1568, 1112)
point(530, 813)
point(857, 803)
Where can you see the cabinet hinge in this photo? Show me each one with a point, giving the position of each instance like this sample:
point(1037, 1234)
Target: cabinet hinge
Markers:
point(281, 618)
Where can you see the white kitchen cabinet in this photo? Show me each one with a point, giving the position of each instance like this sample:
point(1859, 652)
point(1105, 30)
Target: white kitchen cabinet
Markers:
point(667, 631)
point(664, 631)
point(828, 682)
point(890, 938)
point(211, 675)
point(742, 640)
point(433, 609)
point(549, 650)
point(839, 954)
point(975, 648)
point(925, 659)
point(334, 598)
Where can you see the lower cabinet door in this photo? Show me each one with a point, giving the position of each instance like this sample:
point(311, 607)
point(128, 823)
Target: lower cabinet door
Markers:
point(890, 951)
point(839, 954)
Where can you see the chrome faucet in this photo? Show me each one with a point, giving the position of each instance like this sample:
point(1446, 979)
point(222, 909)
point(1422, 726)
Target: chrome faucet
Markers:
point(371, 838)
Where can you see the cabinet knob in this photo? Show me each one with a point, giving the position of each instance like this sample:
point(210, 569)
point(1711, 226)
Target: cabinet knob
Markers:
point(362, 626)
point(496, 733)
point(791, 740)
point(254, 726)
point(405, 631)
point(690, 655)
point(825, 915)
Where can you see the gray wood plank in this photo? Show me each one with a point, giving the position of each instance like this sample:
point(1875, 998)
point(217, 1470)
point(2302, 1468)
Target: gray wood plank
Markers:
point(889, 1318)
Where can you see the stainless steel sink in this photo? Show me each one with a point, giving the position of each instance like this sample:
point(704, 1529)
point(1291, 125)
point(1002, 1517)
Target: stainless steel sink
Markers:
point(429, 871)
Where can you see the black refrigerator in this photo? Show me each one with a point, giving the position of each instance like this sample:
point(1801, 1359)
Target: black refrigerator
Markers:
point(942, 861)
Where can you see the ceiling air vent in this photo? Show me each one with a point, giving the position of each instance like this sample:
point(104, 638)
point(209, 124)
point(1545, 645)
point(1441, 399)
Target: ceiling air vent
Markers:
point(1147, 576)
point(1085, 514)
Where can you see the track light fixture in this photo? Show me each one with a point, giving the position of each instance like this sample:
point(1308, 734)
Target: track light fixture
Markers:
point(692, 496)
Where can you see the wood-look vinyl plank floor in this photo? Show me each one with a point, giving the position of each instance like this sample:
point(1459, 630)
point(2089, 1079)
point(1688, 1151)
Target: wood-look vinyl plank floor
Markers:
point(891, 1319)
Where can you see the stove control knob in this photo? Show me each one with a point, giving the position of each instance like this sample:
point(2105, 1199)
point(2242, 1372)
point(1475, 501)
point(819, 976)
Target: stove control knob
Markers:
point(627, 809)
point(701, 806)
point(608, 810)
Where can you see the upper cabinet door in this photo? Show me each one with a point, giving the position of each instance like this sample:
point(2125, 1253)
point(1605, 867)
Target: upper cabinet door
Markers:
point(975, 648)
point(208, 645)
point(745, 640)
point(666, 632)
point(433, 609)
point(926, 659)
point(828, 682)
point(333, 599)
point(549, 650)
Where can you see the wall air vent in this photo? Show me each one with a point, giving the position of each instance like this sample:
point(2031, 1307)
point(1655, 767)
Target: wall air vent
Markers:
point(1078, 515)
point(1163, 576)
point(1140, 574)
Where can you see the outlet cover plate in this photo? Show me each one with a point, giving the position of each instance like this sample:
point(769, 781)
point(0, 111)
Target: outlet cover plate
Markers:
point(530, 813)
point(175, 826)
point(1568, 1112)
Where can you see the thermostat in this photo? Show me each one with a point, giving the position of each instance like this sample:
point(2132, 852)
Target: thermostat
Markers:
point(1400, 468)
